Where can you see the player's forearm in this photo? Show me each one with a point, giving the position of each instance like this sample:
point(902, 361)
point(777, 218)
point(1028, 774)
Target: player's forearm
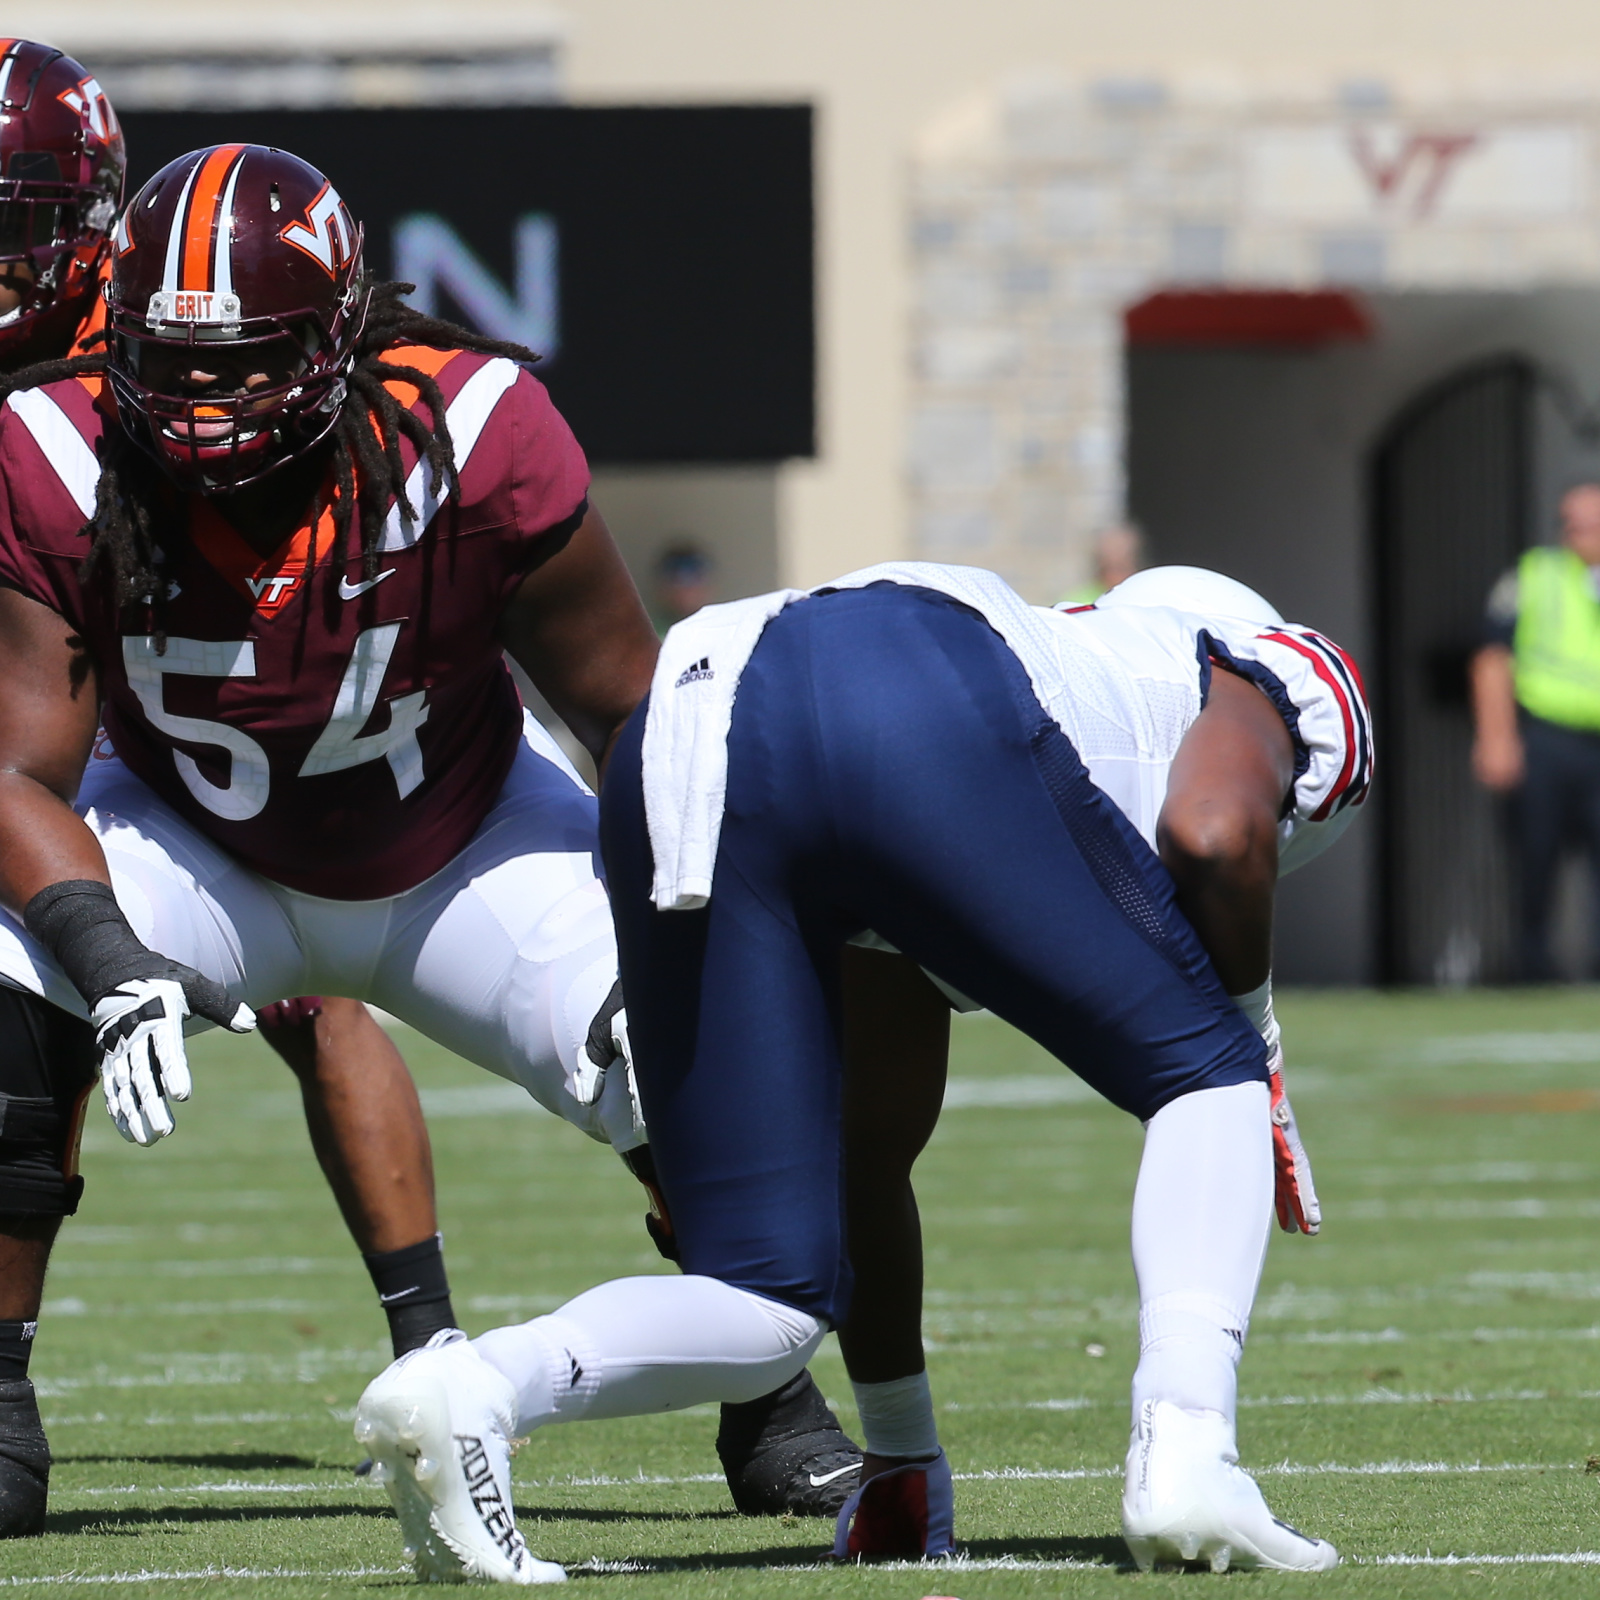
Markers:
point(1218, 830)
point(1228, 901)
point(42, 841)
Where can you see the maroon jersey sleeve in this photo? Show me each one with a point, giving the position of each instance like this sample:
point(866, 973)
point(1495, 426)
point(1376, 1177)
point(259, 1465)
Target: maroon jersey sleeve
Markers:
point(549, 478)
point(48, 471)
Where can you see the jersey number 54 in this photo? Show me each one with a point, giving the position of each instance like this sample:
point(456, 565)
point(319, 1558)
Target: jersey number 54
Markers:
point(341, 743)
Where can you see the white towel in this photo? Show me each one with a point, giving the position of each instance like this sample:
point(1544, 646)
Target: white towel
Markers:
point(685, 751)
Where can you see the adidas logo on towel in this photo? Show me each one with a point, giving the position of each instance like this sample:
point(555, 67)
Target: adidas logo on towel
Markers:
point(698, 673)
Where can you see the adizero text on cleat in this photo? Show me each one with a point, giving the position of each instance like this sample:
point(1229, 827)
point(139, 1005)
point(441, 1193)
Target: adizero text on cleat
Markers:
point(904, 1514)
point(437, 1425)
point(24, 1461)
point(1185, 1500)
point(787, 1453)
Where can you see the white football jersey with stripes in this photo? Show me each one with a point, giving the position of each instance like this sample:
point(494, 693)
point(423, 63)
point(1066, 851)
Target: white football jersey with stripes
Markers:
point(1127, 719)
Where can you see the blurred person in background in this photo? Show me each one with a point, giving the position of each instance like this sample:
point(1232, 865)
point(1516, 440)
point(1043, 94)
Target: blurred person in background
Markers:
point(1535, 687)
point(683, 583)
point(1118, 554)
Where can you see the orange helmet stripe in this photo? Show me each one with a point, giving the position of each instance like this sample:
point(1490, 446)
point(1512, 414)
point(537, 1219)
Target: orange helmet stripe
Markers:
point(200, 225)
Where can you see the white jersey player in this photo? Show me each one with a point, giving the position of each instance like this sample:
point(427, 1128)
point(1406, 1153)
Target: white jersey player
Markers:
point(893, 766)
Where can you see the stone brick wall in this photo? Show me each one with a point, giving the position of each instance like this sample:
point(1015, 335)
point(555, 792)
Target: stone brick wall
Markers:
point(1039, 213)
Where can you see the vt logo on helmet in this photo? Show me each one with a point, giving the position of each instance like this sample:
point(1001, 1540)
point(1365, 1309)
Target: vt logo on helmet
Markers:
point(61, 170)
point(235, 305)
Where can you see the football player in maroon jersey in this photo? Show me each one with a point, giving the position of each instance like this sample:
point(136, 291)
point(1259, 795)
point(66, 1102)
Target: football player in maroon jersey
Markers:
point(62, 157)
point(61, 176)
point(175, 538)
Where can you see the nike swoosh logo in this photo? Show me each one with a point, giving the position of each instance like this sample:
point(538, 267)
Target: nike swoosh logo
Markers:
point(828, 1477)
point(348, 590)
point(389, 1299)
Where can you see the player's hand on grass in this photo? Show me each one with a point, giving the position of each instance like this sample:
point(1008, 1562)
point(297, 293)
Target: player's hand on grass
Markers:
point(1294, 1192)
point(139, 1029)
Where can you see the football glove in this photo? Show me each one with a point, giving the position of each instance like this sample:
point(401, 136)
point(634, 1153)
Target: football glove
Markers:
point(139, 1029)
point(612, 1086)
point(137, 1003)
point(1294, 1192)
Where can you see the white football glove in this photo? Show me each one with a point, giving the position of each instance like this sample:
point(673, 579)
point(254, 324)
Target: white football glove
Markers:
point(143, 1065)
point(621, 1115)
point(611, 1085)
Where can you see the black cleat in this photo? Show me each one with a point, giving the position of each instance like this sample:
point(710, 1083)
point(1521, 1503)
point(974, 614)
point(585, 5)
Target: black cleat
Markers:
point(24, 1461)
point(787, 1453)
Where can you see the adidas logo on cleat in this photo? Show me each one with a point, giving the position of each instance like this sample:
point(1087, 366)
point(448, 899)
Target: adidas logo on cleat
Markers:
point(492, 1511)
point(700, 672)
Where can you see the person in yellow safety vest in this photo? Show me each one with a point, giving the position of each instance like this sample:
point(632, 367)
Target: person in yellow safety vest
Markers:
point(1536, 714)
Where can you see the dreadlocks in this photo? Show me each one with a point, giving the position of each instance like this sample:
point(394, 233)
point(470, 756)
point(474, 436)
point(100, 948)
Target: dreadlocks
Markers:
point(368, 470)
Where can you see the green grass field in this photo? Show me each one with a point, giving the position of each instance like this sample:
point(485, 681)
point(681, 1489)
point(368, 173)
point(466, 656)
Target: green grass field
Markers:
point(1422, 1382)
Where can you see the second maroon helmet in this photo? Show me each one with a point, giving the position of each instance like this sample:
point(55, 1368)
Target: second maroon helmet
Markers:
point(61, 170)
point(234, 309)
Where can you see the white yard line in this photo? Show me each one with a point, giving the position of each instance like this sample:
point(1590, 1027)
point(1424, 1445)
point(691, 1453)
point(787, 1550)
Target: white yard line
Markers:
point(1559, 1558)
point(147, 1575)
point(1283, 1469)
point(1370, 1397)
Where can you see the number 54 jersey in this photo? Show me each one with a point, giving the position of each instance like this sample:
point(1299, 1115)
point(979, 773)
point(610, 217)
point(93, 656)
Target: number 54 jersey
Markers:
point(341, 734)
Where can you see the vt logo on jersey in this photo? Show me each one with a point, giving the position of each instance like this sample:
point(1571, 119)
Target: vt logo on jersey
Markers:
point(327, 235)
point(272, 592)
point(268, 582)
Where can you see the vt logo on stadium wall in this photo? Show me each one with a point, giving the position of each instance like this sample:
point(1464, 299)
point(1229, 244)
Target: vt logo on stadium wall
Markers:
point(431, 254)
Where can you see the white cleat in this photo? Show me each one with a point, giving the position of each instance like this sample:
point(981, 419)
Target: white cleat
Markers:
point(437, 1424)
point(1185, 1500)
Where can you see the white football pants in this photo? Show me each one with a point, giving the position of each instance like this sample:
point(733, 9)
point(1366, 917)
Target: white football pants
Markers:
point(504, 956)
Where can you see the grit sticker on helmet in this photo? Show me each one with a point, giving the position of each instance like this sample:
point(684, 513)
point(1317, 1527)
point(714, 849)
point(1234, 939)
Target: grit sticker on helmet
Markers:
point(197, 283)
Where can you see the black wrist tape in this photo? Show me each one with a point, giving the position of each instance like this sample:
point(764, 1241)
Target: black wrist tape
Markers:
point(80, 923)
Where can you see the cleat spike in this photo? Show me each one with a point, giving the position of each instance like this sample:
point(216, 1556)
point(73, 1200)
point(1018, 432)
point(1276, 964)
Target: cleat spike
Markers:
point(379, 1475)
point(426, 1469)
point(366, 1431)
point(1220, 1557)
point(1189, 1546)
point(1143, 1552)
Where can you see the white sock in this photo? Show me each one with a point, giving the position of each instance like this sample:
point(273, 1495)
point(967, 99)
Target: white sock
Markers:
point(637, 1345)
point(1201, 1215)
point(897, 1417)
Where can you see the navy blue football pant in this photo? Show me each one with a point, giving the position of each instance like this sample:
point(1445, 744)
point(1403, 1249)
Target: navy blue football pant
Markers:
point(889, 768)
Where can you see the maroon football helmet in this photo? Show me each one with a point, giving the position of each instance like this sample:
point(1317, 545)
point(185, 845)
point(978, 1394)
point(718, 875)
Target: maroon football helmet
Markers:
point(61, 171)
point(234, 308)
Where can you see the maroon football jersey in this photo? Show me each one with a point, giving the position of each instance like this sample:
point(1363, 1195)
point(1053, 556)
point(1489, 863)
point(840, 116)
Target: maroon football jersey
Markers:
point(342, 735)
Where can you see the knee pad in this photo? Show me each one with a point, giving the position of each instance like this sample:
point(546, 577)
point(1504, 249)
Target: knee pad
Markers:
point(48, 1066)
